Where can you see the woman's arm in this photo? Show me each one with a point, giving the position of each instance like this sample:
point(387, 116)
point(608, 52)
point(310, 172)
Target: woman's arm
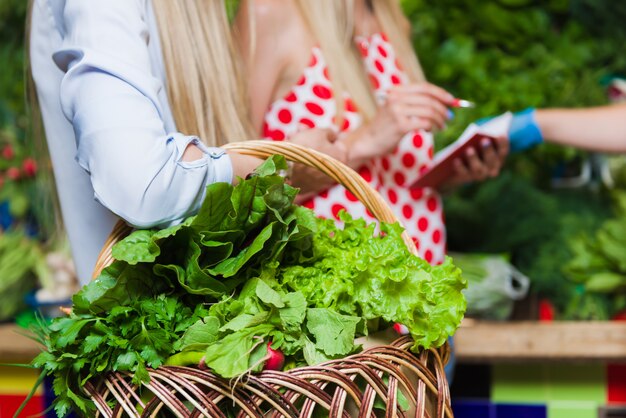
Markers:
point(138, 170)
point(599, 128)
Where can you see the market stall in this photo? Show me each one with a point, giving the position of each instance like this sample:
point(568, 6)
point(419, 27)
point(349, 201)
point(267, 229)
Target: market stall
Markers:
point(543, 245)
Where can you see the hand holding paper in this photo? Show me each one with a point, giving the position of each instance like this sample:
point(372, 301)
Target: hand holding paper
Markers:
point(468, 147)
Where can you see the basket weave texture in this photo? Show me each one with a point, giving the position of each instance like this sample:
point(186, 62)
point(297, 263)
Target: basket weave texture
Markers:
point(386, 380)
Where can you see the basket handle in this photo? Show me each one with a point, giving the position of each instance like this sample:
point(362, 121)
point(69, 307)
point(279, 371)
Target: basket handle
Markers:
point(336, 170)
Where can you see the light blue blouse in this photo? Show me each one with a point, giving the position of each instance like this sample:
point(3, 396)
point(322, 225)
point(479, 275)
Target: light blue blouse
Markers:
point(100, 80)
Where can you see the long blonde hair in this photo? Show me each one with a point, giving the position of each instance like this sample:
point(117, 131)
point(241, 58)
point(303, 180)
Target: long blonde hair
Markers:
point(393, 23)
point(331, 23)
point(205, 79)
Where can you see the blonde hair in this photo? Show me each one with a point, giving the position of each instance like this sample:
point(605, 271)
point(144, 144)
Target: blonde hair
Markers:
point(392, 21)
point(205, 81)
point(331, 23)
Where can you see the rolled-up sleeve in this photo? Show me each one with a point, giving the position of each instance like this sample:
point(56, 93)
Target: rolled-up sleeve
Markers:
point(110, 96)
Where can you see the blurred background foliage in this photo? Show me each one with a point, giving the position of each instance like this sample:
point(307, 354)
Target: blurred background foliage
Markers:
point(22, 259)
point(502, 54)
point(12, 92)
point(510, 55)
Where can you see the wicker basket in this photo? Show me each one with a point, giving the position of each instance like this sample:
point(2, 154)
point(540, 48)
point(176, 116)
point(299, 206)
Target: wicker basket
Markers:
point(357, 386)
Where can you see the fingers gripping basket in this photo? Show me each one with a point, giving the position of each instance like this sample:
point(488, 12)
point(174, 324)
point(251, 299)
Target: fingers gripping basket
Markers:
point(351, 387)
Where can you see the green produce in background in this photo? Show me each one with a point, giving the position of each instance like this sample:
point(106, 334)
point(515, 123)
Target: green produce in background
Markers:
point(509, 55)
point(510, 215)
point(20, 260)
point(599, 261)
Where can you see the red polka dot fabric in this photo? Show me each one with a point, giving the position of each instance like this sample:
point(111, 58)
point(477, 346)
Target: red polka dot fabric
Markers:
point(311, 103)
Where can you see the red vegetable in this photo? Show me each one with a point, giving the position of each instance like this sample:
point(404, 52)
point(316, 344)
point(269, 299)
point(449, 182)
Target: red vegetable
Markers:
point(620, 316)
point(30, 167)
point(400, 329)
point(546, 310)
point(7, 152)
point(275, 359)
point(13, 173)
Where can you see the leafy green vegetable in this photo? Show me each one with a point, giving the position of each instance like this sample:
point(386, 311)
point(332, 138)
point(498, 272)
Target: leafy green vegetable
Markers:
point(356, 273)
point(250, 270)
point(509, 55)
point(510, 215)
point(20, 257)
point(334, 333)
point(598, 263)
point(130, 337)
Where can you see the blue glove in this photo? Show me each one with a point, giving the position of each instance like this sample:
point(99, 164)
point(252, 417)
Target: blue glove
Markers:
point(524, 132)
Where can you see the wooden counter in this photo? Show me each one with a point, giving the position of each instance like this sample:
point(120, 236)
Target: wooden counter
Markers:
point(475, 341)
point(490, 342)
point(15, 347)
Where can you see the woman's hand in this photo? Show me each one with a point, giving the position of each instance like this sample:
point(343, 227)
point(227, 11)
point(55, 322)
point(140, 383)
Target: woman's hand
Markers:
point(308, 179)
point(406, 108)
point(479, 165)
point(416, 106)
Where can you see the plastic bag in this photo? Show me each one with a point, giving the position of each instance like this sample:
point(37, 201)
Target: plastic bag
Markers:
point(493, 285)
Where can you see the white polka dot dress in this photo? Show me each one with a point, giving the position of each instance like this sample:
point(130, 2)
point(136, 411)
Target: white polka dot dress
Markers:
point(311, 103)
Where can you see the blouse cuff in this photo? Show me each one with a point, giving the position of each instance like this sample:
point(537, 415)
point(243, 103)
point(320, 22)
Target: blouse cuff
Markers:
point(216, 159)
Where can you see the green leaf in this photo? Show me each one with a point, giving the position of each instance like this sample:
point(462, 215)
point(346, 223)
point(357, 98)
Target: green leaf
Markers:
point(268, 295)
point(292, 315)
point(243, 321)
point(215, 252)
point(271, 166)
point(67, 329)
point(153, 345)
point(118, 285)
point(232, 266)
point(312, 355)
point(334, 333)
point(196, 280)
point(141, 375)
point(215, 207)
point(230, 356)
point(199, 335)
point(605, 282)
point(138, 247)
point(92, 342)
point(126, 361)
